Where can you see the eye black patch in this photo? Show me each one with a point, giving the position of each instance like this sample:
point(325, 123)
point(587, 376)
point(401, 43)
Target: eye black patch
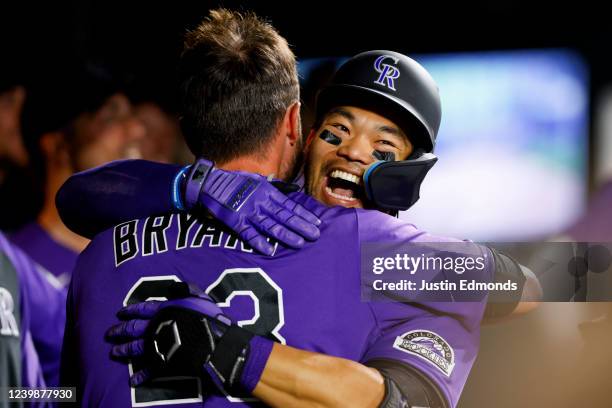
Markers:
point(330, 138)
point(385, 156)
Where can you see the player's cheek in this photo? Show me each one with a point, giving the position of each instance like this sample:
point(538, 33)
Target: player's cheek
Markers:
point(315, 159)
point(405, 152)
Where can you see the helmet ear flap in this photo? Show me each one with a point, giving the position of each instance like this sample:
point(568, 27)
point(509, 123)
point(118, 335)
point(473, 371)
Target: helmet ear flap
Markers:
point(395, 185)
point(416, 153)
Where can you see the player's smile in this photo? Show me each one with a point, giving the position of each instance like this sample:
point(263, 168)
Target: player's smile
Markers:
point(343, 186)
point(342, 148)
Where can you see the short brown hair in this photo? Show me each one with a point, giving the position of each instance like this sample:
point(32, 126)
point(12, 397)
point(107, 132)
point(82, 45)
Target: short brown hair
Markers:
point(237, 78)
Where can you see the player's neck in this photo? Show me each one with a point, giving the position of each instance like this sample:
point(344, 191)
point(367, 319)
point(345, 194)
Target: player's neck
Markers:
point(50, 221)
point(265, 164)
point(275, 159)
point(49, 218)
point(250, 165)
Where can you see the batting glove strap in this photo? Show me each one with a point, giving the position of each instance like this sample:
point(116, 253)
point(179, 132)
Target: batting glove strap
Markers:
point(177, 189)
point(238, 360)
point(198, 174)
point(260, 349)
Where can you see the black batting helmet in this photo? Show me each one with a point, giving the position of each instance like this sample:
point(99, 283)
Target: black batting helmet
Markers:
point(393, 85)
point(401, 90)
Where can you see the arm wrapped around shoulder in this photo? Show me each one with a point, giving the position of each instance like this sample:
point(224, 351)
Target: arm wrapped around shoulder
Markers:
point(520, 301)
point(406, 387)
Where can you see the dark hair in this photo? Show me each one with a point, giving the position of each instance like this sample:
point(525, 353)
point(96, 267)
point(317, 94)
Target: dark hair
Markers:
point(237, 77)
point(55, 98)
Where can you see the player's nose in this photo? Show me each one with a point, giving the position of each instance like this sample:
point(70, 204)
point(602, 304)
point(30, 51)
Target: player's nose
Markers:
point(134, 137)
point(356, 149)
point(134, 128)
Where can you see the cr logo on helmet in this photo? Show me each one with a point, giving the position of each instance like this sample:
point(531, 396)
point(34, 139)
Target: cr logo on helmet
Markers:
point(388, 73)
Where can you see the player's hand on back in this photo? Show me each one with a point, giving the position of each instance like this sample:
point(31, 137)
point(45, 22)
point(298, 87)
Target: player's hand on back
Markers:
point(187, 335)
point(173, 337)
point(249, 205)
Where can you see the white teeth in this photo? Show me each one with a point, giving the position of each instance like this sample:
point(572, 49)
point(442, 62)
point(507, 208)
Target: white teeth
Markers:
point(331, 193)
point(346, 176)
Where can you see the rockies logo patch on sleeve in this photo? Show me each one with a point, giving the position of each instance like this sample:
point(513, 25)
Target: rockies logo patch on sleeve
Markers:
point(430, 347)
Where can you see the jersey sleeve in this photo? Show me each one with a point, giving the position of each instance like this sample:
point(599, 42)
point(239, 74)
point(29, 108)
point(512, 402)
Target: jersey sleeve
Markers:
point(47, 315)
point(375, 226)
point(437, 346)
point(31, 371)
point(88, 201)
point(438, 339)
point(69, 356)
point(383, 236)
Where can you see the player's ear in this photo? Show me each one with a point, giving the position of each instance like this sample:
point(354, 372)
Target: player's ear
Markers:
point(292, 122)
point(309, 139)
point(53, 147)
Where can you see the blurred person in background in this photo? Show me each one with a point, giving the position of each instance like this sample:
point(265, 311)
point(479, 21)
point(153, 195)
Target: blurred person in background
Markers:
point(71, 125)
point(19, 284)
point(155, 108)
point(15, 178)
point(70, 122)
point(162, 141)
point(12, 97)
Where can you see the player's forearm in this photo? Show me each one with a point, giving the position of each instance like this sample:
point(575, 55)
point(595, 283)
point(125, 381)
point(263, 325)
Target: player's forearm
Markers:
point(94, 200)
point(531, 296)
point(298, 378)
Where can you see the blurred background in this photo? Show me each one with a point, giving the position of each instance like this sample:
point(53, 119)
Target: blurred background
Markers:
point(525, 144)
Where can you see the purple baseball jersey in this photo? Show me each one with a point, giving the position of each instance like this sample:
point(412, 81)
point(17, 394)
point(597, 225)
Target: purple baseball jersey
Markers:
point(50, 255)
point(308, 298)
point(19, 283)
point(54, 263)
